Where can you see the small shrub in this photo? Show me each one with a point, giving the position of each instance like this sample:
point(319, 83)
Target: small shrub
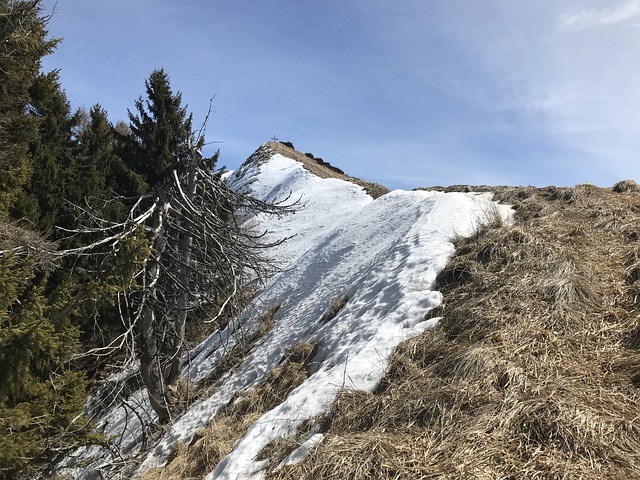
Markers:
point(301, 352)
point(626, 186)
point(562, 194)
point(456, 273)
point(320, 161)
point(612, 224)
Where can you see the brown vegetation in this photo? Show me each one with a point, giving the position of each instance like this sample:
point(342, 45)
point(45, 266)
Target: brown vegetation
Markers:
point(626, 186)
point(234, 356)
point(534, 369)
point(19, 241)
point(335, 305)
point(213, 443)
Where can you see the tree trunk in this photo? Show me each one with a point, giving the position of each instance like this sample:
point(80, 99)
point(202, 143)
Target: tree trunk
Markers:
point(150, 368)
point(178, 330)
point(147, 326)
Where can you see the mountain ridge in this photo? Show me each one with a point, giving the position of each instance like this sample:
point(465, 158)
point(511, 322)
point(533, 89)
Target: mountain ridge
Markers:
point(320, 168)
point(532, 371)
point(383, 351)
point(357, 278)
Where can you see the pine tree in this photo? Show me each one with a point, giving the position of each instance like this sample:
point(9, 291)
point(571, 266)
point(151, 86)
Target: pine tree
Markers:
point(94, 152)
point(121, 179)
point(99, 168)
point(53, 181)
point(198, 252)
point(161, 131)
point(41, 399)
point(23, 43)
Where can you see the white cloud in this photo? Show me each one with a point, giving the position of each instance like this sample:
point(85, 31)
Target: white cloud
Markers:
point(591, 17)
point(580, 93)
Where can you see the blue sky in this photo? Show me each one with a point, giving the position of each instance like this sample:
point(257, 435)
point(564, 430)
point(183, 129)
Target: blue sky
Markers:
point(407, 93)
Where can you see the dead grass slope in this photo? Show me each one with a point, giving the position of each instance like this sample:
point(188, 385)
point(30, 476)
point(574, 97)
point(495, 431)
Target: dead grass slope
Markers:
point(533, 372)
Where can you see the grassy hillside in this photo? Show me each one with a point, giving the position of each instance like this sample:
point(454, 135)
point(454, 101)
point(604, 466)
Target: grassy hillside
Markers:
point(533, 372)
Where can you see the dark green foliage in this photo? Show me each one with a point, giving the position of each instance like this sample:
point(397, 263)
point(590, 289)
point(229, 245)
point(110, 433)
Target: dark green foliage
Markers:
point(95, 153)
point(40, 400)
point(123, 179)
point(22, 44)
point(99, 168)
point(76, 159)
point(52, 179)
point(160, 131)
point(65, 169)
point(103, 276)
point(41, 167)
point(320, 161)
point(41, 396)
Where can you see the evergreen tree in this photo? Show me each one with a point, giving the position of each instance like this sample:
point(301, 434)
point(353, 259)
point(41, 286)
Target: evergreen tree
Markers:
point(161, 131)
point(54, 179)
point(95, 154)
point(197, 251)
point(23, 43)
point(41, 399)
point(122, 179)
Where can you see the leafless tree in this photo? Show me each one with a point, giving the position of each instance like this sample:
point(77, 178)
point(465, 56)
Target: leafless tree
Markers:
point(201, 251)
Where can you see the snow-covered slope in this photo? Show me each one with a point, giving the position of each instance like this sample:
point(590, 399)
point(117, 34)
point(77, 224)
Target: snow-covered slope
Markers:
point(382, 255)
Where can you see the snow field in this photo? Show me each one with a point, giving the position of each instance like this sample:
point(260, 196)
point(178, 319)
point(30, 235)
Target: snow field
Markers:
point(382, 255)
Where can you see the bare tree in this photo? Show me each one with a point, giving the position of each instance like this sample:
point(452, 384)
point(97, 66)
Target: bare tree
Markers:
point(200, 251)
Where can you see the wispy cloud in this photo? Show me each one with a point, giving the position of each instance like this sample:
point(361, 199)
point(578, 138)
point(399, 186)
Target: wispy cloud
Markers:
point(579, 96)
point(591, 17)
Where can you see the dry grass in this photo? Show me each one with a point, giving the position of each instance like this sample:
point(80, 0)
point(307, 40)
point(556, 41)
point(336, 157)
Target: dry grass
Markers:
point(210, 445)
point(236, 355)
point(533, 372)
point(562, 194)
point(335, 306)
point(626, 186)
point(188, 393)
point(282, 380)
point(22, 242)
point(213, 443)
